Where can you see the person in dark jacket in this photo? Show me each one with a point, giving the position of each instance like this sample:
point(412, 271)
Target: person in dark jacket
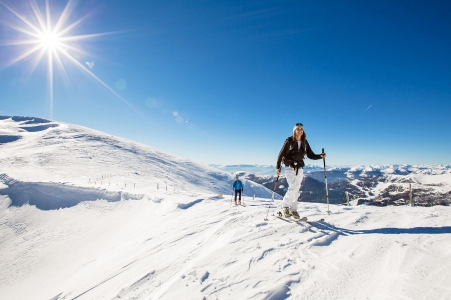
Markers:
point(292, 156)
point(238, 188)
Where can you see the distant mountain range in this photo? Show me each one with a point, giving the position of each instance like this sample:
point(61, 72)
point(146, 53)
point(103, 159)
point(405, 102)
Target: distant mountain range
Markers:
point(258, 169)
point(375, 184)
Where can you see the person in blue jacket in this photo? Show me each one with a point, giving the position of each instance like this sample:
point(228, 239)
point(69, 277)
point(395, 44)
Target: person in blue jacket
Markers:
point(238, 187)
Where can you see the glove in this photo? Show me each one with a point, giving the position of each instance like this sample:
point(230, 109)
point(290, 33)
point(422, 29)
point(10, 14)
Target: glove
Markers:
point(242, 190)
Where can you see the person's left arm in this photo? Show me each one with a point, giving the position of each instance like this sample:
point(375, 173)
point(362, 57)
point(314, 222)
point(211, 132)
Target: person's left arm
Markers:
point(312, 155)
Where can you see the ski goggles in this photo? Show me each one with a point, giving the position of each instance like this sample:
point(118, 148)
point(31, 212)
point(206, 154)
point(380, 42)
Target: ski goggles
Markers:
point(299, 124)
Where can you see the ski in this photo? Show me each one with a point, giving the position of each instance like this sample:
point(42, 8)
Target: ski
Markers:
point(284, 219)
point(279, 215)
point(317, 221)
point(303, 219)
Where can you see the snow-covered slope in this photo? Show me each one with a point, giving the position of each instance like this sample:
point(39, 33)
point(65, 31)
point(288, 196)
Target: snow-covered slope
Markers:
point(190, 243)
point(54, 157)
point(179, 246)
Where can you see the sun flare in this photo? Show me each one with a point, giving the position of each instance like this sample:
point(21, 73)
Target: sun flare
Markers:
point(44, 37)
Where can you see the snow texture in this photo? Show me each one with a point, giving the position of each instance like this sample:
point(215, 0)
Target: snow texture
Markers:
point(85, 215)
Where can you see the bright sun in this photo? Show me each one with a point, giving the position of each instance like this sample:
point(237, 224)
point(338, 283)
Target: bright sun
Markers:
point(49, 40)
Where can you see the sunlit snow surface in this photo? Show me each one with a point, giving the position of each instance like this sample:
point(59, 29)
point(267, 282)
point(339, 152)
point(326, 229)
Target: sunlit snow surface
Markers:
point(58, 153)
point(188, 242)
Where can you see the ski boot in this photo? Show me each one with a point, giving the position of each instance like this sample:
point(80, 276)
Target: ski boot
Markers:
point(295, 215)
point(286, 212)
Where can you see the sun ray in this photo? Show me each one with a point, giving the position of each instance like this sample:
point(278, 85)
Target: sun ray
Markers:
point(37, 14)
point(61, 67)
point(23, 30)
point(86, 36)
point(63, 46)
point(71, 26)
point(26, 54)
point(63, 17)
point(19, 43)
point(37, 60)
point(21, 18)
point(53, 40)
point(50, 69)
point(78, 64)
point(47, 14)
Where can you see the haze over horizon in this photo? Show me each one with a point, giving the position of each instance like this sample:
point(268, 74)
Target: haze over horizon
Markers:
point(224, 82)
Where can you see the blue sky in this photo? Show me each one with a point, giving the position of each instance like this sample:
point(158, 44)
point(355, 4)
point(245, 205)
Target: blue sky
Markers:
point(224, 82)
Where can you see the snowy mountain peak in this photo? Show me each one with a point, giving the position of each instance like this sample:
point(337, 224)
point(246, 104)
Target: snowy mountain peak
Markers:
point(50, 156)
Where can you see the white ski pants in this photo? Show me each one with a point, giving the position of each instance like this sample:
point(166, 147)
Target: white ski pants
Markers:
point(294, 185)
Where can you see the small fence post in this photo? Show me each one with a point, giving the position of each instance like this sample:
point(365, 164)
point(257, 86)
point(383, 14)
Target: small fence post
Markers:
point(410, 194)
point(347, 198)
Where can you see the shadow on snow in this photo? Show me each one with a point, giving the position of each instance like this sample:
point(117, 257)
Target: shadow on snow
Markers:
point(388, 230)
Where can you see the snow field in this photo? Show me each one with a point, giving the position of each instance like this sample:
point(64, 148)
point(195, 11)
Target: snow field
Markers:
point(196, 246)
point(65, 236)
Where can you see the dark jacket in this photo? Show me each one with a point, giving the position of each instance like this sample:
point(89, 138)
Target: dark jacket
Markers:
point(291, 156)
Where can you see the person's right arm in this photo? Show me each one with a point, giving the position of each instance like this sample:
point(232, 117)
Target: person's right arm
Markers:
point(282, 152)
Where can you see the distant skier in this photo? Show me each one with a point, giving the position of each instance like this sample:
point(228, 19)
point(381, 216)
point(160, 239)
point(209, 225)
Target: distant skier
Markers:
point(292, 155)
point(238, 188)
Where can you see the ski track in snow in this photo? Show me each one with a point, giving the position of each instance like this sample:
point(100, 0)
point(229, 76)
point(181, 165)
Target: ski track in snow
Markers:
point(85, 215)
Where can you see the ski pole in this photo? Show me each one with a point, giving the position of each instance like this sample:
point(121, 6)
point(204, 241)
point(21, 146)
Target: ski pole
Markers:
point(272, 197)
point(231, 199)
point(325, 178)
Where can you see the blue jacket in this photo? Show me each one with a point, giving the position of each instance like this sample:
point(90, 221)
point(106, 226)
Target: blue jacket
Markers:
point(238, 185)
